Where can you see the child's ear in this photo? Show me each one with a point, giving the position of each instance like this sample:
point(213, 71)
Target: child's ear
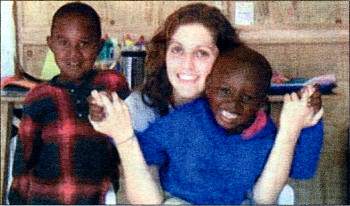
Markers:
point(208, 84)
point(207, 89)
point(264, 101)
point(100, 45)
point(265, 105)
point(49, 42)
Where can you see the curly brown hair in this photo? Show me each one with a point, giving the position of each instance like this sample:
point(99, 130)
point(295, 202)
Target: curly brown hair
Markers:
point(157, 86)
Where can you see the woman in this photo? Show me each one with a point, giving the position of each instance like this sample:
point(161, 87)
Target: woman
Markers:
point(173, 78)
point(179, 58)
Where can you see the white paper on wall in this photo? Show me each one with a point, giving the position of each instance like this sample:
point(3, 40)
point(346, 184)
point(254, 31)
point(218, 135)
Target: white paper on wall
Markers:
point(8, 39)
point(244, 14)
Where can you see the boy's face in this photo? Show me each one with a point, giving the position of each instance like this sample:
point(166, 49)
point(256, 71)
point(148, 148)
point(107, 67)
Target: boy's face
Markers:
point(234, 97)
point(75, 46)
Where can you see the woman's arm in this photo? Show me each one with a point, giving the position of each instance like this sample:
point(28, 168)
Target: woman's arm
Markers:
point(141, 188)
point(296, 114)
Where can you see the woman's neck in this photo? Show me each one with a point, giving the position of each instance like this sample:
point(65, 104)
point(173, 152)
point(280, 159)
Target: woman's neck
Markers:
point(177, 101)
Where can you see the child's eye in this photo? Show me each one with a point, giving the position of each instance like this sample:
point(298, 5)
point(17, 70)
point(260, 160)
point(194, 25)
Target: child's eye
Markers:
point(224, 92)
point(176, 50)
point(83, 43)
point(246, 98)
point(62, 42)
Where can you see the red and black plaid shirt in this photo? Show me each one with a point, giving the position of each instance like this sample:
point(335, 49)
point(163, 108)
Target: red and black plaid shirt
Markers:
point(60, 158)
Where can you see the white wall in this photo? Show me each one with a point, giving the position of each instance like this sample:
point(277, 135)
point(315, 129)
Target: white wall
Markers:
point(8, 39)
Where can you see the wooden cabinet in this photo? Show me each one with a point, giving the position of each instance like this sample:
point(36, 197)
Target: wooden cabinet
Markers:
point(274, 22)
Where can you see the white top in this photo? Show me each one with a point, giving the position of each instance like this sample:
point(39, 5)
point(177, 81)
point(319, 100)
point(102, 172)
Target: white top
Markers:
point(141, 114)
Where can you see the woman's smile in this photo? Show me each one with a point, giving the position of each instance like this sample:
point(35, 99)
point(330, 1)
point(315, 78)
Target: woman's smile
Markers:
point(187, 77)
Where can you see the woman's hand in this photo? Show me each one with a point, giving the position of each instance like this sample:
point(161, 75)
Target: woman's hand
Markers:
point(116, 122)
point(297, 113)
point(140, 187)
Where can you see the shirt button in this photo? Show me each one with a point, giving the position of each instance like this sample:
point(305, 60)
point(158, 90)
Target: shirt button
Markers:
point(78, 101)
point(80, 114)
point(71, 90)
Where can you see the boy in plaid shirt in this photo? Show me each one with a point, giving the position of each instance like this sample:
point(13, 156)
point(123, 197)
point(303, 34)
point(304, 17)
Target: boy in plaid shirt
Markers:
point(60, 158)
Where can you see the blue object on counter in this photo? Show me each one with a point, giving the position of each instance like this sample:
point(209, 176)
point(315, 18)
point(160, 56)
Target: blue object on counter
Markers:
point(107, 52)
point(296, 84)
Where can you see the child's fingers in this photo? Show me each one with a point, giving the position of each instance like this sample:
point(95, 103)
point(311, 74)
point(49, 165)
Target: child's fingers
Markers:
point(316, 103)
point(96, 111)
point(316, 93)
point(107, 103)
point(315, 98)
point(316, 86)
point(310, 89)
point(97, 117)
point(95, 108)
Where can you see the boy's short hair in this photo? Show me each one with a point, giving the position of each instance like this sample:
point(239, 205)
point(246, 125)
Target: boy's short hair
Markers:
point(82, 9)
point(251, 59)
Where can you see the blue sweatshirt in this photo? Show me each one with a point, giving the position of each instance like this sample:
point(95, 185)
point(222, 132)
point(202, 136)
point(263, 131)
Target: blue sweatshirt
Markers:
point(201, 164)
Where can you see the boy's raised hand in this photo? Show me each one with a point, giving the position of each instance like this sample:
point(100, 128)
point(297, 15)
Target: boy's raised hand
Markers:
point(116, 122)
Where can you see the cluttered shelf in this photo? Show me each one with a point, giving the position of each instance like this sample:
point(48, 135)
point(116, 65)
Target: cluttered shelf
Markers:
point(19, 97)
point(279, 98)
point(281, 85)
point(14, 97)
point(14, 88)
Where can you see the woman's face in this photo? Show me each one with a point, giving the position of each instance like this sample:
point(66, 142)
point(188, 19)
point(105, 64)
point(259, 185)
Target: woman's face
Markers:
point(190, 56)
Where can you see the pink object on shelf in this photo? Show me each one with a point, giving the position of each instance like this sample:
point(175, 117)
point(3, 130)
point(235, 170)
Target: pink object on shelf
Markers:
point(322, 79)
point(278, 78)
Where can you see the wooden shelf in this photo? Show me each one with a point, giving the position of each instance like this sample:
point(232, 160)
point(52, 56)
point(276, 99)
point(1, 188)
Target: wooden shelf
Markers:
point(279, 98)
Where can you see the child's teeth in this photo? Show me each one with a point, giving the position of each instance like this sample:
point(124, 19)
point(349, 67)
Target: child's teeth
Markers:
point(228, 115)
